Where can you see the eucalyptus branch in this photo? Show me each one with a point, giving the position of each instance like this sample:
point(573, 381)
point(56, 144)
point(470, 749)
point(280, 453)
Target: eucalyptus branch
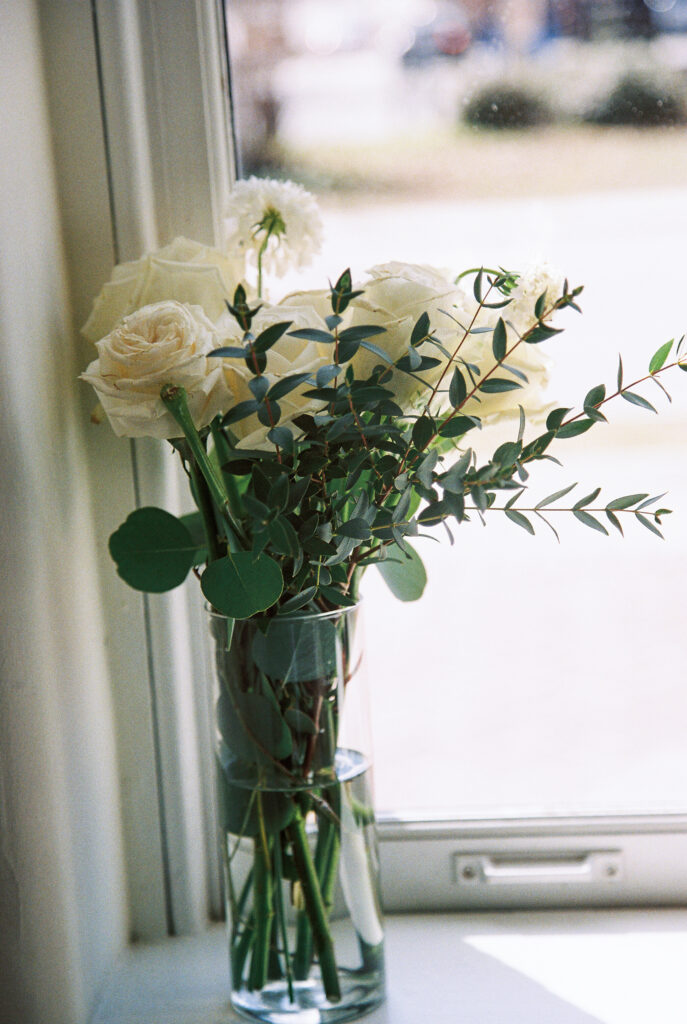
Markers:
point(466, 333)
point(681, 363)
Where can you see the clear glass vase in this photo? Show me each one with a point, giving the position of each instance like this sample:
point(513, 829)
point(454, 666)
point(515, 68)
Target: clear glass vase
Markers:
point(299, 843)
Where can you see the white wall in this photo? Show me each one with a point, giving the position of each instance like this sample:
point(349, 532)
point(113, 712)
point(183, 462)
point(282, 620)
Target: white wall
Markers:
point(61, 879)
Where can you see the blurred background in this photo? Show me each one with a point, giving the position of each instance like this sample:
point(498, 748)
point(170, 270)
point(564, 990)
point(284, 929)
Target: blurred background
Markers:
point(542, 678)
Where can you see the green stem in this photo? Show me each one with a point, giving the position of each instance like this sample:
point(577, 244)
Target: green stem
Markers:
point(281, 916)
point(240, 951)
point(174, 398)
point(302, 959)
point(330, 865)
point(262, 905)
point(315, 907)
point(223, 449)
point(207, 511)
point(240, 904)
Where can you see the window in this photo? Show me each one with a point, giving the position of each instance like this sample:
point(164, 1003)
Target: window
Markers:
point(542, 696)
point(115, 109)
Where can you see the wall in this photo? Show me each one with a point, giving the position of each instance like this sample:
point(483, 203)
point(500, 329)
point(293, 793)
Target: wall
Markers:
point(62, 920)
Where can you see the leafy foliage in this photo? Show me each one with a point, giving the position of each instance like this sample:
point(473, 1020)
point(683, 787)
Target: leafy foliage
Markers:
point(294, 524)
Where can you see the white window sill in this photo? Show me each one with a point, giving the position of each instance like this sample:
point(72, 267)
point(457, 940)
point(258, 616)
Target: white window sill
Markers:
point(567, 967)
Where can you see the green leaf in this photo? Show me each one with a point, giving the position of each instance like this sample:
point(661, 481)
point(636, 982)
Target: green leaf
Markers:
point(361, 333)
point(625, 502)
point(520, 520)
point(404, 575)
point(588, 499)
point(287, 384)
point(612, 517)
point(269, 413)
point(420, 330)
point(299, 722)
point(659, 357)
point(258, 387)
point(541, 333)
point(595, 396)
point(153, 550)
point(634, 399)
point(555, 418)
point(497, 385)
point(516, 372)
point(240, 411)
point(283, 537)
point(457, 391)
point(540, 306)
point(241, 585)
point(356, 528)
point(590, 521)
point(252, 727)
point(193, 521)
point(281, 437)
point(313, 334)
point(620, 373)
point(650, 501)
point(228, 352)
point(426, 468)
point(458, 425)
point(423, 431)
point(518, 494)
point(267, 338)
point(574, 429)
point(477, 286)
point(297, 649)
point(645, 521)
point(452, 480)
point(327, 373)
point(507, 454)
point(499, 340)
point(379, 352)
point(522, 424)
point(255, 361)
point(550, 498)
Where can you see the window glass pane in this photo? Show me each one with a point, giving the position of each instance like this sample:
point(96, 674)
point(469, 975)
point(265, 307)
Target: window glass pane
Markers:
point(534, 677)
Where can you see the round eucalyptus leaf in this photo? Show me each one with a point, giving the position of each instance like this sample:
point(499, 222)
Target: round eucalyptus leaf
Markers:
point(252, 727)
point(297, 650)
point(153, 550)
point(242, 584)
point(404, 575)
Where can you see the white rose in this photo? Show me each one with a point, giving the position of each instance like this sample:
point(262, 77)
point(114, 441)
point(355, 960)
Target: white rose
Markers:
point(288, 356)
point(529, 359)
point(183, 271)
point(395, 298)
point(164, 343)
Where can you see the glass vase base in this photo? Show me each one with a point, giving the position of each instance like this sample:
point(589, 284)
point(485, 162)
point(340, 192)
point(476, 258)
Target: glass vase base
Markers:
point(273, 1004)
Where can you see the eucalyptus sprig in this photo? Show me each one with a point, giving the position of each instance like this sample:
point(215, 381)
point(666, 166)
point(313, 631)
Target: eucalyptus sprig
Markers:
point(294, 524)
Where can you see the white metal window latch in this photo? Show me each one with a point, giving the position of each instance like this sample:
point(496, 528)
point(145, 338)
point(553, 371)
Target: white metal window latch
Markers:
point(569, 867)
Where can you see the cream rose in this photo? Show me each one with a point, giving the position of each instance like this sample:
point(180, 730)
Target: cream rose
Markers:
point(184, 271)
point(395, 298)
point(287, 357)
point(531, 360)
point(163, 343)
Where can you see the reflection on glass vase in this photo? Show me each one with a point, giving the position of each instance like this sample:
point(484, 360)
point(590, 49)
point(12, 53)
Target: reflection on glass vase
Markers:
point(295, 802)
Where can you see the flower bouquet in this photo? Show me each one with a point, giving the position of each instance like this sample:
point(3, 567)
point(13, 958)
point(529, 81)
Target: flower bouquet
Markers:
point(320, 434)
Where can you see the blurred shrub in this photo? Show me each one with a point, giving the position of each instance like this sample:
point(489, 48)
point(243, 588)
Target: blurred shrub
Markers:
point(506, 106)
point(638, 102)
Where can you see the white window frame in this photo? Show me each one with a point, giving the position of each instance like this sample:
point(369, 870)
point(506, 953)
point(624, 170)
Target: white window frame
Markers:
point(162, 73)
